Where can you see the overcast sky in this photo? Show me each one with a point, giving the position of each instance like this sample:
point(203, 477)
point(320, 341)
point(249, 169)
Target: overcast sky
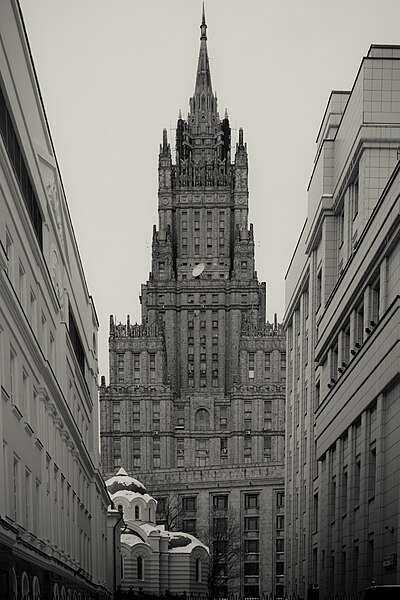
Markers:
point(114, 73)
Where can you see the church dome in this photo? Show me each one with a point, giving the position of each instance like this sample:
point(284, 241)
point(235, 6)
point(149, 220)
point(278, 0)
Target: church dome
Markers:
point(124, 482)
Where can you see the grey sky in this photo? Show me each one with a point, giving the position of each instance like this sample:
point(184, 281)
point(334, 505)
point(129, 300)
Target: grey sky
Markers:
point(113, 74)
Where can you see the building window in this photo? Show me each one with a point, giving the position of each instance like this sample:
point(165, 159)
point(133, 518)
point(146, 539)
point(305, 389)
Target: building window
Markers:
point(136, 416)
point(251, 523)
point(136, 368)
point(280, 545)
point(189, 526)
point(251, 365)
point(137, 513)
point(156, 453)
point(152, 364)
point(189, 503)
point(223, 421)
point(247, 448)
point(280, 499)
point(16, 488)
point(318, 291)
point(140, 568)
point(136, 451)
point(267, 444)
point(251, 500)
point(180, 450)
point(76, 342)
point(280, 522)
point(251, 546)
point(267, 365)
point(13, 380)
point(353, 189)
point(224, 446)
point(17, 160)
point(220, 525)
point(251, 568)
point(220, 502)
point(202, 420)
point(198, 570)
point(340, 224)
point(315, 515)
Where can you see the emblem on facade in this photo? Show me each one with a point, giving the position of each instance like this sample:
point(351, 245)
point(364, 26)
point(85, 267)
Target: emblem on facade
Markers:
point(52, 192)
point(57, 279)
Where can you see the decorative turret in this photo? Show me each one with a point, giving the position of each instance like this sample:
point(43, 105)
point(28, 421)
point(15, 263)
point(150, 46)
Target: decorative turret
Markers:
point(165, 165)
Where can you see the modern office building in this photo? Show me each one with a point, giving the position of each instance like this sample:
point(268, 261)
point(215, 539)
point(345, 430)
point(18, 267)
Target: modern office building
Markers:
point(343, 367)
point(53, 502)
point(195, 401)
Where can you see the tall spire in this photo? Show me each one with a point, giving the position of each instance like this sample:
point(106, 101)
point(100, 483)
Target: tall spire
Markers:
point(203, 78)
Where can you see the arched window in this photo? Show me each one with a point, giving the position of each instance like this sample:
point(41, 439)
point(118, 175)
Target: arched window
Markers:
point(137, 513)
point(202, 420)
point(198, 569)
point(14, 585)
point(140, 568)
point(24, 586)
point(56, 594)
point(35, 589)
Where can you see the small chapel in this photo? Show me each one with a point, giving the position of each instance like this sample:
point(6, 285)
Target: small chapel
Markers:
point(154, 560)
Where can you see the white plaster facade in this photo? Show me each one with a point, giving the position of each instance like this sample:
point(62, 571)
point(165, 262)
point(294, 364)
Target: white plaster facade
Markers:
point(153, 559)
point(343, 367)
point(53, 504)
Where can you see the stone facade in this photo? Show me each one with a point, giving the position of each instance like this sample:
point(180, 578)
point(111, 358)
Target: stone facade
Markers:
point(196, 394)
point(53, 504)
point(342, 322)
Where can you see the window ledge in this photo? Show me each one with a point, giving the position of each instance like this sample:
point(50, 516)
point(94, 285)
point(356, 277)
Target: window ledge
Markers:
point(17, 412)
point(28, 429)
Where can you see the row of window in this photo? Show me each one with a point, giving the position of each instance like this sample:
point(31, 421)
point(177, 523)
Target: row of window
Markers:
point(267, 364)
point(201, 451)
point(202, 417)
point(137, 365)
point(17, 159)
point(40, 510)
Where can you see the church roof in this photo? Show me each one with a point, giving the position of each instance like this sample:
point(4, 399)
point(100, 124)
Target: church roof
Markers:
point(123, 481)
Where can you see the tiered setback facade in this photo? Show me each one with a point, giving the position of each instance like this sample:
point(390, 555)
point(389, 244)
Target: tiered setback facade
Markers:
point(53, 504)
point(195, 402)
point(342, 321)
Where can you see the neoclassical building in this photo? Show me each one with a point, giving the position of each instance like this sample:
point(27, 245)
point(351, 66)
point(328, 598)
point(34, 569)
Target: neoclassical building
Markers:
point(53, 503)
point(194, 406)
point(153, 559)
point(343, 367)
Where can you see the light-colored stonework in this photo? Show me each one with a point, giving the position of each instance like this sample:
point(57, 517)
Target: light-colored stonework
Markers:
point(53, 504)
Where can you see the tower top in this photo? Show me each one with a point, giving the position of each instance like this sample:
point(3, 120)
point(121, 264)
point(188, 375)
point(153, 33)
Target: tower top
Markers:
point(203, 77)
point(203, 25)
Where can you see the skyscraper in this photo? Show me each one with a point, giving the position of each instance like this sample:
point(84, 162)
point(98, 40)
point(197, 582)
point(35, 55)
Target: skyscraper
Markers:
point(195, 402)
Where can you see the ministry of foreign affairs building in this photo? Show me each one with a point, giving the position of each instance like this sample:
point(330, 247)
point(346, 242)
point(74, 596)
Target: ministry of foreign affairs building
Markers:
point(195, 401)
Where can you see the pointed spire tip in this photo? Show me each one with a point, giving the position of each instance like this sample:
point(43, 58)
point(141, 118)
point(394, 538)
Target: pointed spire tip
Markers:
point(203, 26)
